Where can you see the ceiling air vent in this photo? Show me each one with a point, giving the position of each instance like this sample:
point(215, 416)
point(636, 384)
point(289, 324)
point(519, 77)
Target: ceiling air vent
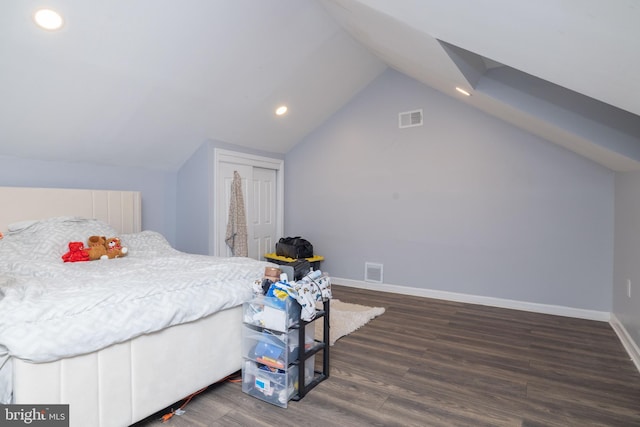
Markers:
point(410, 118)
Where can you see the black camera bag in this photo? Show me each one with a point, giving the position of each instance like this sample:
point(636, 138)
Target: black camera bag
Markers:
point(294, 247)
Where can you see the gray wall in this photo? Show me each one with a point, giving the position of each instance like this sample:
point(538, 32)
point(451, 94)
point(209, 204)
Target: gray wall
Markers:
point(465, 203)
point(627, 253)
point(193, 190)
point(158, 188)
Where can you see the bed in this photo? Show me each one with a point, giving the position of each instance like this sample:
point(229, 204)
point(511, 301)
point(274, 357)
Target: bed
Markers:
point(126, 348)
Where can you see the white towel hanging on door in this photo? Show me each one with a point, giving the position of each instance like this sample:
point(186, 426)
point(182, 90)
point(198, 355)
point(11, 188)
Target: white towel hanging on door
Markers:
point(236, 237)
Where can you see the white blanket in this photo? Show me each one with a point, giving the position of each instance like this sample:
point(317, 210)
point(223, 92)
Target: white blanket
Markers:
point(51, 310)
point(95, 304)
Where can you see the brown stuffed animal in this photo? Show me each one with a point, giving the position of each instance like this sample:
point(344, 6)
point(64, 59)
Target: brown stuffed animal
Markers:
point(97, 248)
point(114, 248)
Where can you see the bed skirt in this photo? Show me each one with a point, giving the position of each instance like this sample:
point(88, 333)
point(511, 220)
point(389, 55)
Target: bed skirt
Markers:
point(127, 382)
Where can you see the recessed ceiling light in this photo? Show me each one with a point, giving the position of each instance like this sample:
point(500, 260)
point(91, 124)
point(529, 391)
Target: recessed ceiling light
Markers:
point(281, 110)
point(462, 91)
point(48, 19)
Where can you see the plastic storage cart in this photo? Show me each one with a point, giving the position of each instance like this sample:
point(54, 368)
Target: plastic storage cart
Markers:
point(279, 350)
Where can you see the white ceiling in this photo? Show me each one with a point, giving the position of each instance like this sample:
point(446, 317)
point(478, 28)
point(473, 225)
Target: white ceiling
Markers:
point(143, 83)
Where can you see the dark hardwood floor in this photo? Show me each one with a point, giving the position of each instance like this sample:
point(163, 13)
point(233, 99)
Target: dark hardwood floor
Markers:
point(429, 362)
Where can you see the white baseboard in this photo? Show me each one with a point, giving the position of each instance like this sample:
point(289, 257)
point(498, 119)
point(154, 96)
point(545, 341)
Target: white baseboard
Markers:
point(627, 341)
point(558, 310)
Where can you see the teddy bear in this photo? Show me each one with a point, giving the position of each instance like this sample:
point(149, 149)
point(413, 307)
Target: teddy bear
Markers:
point(77, 252)
point(97, 248)
point(114, 248)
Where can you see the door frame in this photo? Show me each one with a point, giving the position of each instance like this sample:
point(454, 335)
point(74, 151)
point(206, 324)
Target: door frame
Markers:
point(227, 156)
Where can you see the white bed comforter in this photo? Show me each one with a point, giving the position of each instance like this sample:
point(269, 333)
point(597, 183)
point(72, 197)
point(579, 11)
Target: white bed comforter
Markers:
point(91, 305)
point(52, 310)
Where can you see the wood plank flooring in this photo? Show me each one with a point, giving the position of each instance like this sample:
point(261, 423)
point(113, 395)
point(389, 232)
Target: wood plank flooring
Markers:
point(429, 362)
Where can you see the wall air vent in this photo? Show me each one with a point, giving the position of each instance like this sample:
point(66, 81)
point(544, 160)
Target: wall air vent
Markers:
point(410, 118)
point(372, 272)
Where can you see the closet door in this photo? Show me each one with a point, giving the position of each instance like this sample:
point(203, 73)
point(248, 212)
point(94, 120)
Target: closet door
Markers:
point(223, 193)
point(262, 217)
point(259, 191)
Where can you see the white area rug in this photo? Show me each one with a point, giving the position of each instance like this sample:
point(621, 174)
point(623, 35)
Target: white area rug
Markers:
point(345, 318)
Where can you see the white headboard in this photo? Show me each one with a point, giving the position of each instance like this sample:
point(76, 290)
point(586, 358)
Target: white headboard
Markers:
point(121, 209)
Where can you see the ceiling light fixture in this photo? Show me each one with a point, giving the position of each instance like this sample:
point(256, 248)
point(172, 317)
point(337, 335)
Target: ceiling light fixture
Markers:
point(462, 91)
point(48, 19)
point(281, 110)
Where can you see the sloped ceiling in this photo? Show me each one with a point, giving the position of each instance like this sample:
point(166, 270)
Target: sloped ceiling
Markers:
point(566, 70)
point(143, 83)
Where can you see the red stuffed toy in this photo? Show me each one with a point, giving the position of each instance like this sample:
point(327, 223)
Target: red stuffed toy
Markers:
point(77, 252)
